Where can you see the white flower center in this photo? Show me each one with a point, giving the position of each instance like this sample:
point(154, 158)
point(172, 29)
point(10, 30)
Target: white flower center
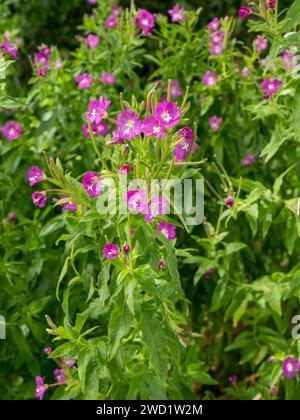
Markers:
point(166, 116)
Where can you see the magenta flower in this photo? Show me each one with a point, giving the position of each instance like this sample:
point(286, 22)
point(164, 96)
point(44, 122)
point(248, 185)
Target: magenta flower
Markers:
point(125, 169)
point(39, 199)
point(97, 109)
point(35, 175)
point(167, 229)
point(214, 24)
point(69, 205)
point(118, 139)
point(111, 251)
point(161, 264)
point(248, 160)
point(11, 130)
point(290, 367)
point(58, 63)
point(216, 49)
point(210, 79)
point(177, 14)
point(289, 59)
point(60, 376)
point(111, 22)
point(270, 86)
point(146, 21)
point(48, 350)
point(157, 207)
point(92, 41)
point(175, 89)
point(183, 147)
point(101, 129)
point(116, 11)
point(232, 379)
point(215, 123)
point(261, 43)
point(137, 201)
point(91, 183)
point(245, 72)
point(41, 387)
point(217, 37)
point(70, 363)
point(84, 80)
point(41, 61)
point(229, 201)
point(9, 48)
point(129, 124)
point(244, 12)
point(126, 249)
point(153, 127)
point(168, 112)
point(12, 217)
point(271, 4)
point(108, 78)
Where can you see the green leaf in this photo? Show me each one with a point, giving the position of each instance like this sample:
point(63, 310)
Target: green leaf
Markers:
point(292, 17)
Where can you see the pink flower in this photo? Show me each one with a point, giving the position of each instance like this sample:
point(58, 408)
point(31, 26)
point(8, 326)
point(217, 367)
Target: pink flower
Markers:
point(91, 183)
point(183, 148)
point(270, 86)
point(116, 11)
point(167, 229)
point(100, 129)
point(70, 363)
point(177, 14)
point(11, 130)
point(97, 109)
point(232, 379)
point(60, 376)
point(289, 59)
point(216, 49)
point(248, 160)
point(175, 89)
point(229, 201)
point(48, 350)
point(129, 124)
point(217, 37)
point(210, 79)
point(137, 201)
point(271, 4)
point(244, 12)
point(125, 169)
point(111, 251)
point(126, 249)
point(39, 199)
point(9, 48)
point(58, 63)
point(146, 21)
point(168, 112)
point(92, 41)
point(69, 205)
point(290, 367)
point(111, 22)
point(35, 175)
point(108, 78)
point(215, 123)
point(161, 264)
point(92, 1)
point(41, 61)
point(157, 207)
point(214, 24)
point(153, 127)
point(84, 80)
point(12, 217)
point(261, 43)
point(41, 387)
point(245, 72)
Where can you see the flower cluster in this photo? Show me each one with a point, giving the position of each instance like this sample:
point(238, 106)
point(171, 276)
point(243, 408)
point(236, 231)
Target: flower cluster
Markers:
point(216, 38)
point(41, 61)
point(9, 48)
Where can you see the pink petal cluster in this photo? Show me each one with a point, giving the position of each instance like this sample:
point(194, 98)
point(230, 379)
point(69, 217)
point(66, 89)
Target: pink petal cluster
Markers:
point(153, 126)
point(97, 109)
point(40, 388)
point(261, 43)
point(175, 89)
point(183, 147)
point(217, 46)
point(125, 169)
point(84, 80)
point(289, 59)
point(157, 206)
point(215, 123)
point(129, 124)
point(9, 48)
point(146, 21)
point(290, 367)
point(108, 78)
point(92, 41)
point(248, 161)
point(270, 86)
point(69, 205)
point(35, 175)
point(210, 79)
point(60, 376)
point(39, 199)
point(244, 12)
point(177, 14)
point(41, 61)
point(111, 251)
point(137, 201)
point(271, 4)
point(11, 130)
point(168, 112)
point(111, 22)
point(167, 229)
point(91, 183)
point(214, 24)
